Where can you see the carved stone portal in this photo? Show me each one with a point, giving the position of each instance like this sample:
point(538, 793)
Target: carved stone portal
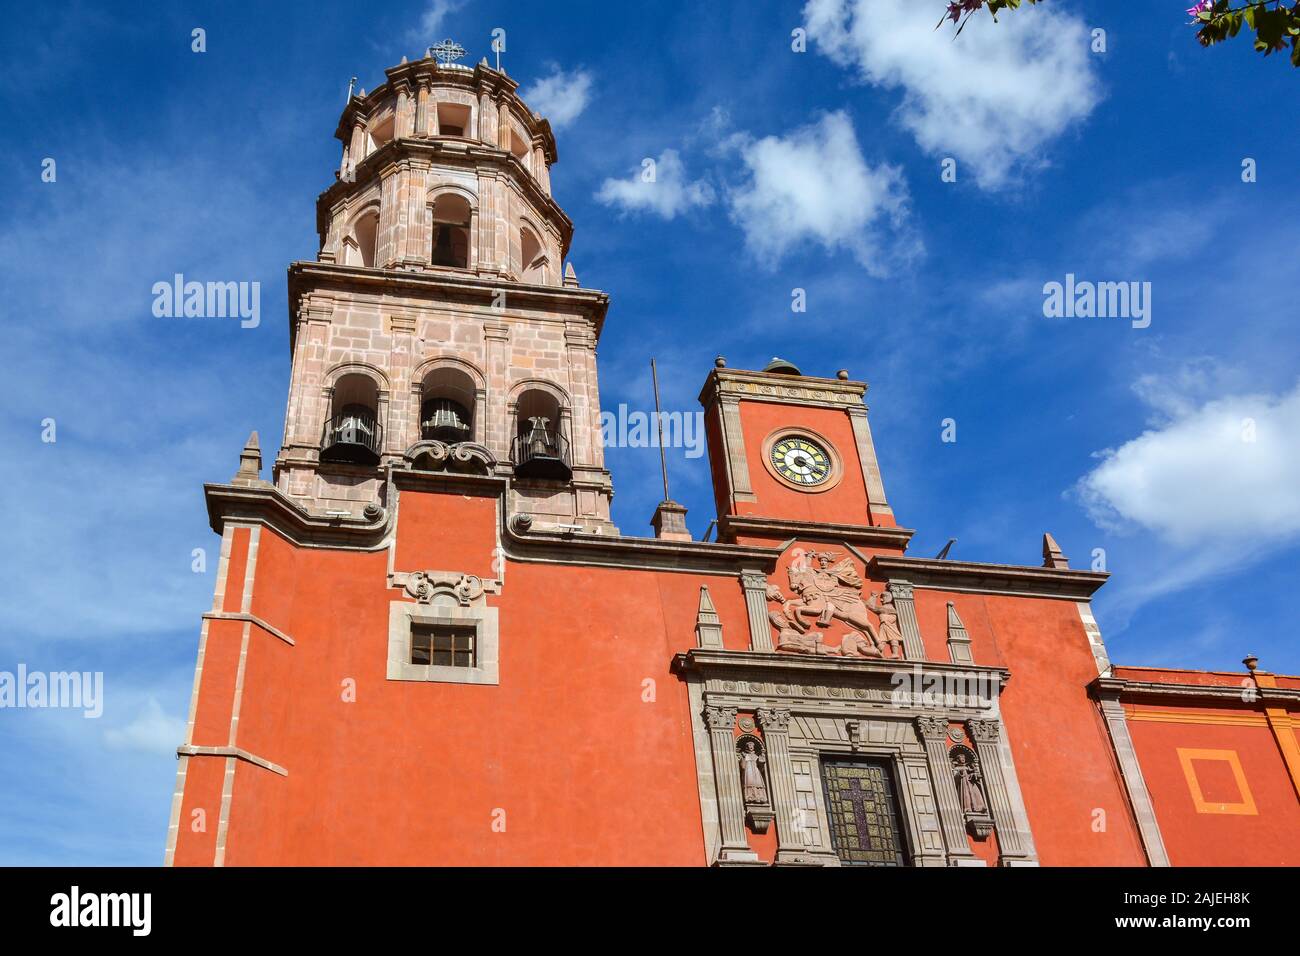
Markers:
point(828, 590)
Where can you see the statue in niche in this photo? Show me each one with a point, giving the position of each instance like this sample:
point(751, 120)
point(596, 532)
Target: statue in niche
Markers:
point(752, 763)
point(970, 792)
point(968, 784)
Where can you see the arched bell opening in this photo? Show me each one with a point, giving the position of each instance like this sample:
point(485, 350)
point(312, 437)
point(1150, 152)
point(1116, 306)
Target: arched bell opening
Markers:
point(451, 231)
point(540, 448)
point(365, 238)
point(447, 406)
point(532, 257)
point(352, 432)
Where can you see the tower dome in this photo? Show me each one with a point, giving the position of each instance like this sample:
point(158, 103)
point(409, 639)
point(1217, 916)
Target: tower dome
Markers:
point(445, 168)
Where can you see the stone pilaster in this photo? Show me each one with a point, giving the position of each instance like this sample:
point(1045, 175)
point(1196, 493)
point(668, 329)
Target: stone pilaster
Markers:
point(487, 119)
point(357, 149)
point(403, 115)
point(1108, 691)
point(775, 722)
point(733, 438)
point(913, 646)
point(934, 733)
point(867, 456)
point(422, 110)
point(760, 629)
point(726, 775)
point(985, 733)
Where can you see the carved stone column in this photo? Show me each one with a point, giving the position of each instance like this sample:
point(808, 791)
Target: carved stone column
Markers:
point(726, 774)
point(934, 732)
point(985, 734)
point(913, 646)
point(760, 629)
point(775, 722)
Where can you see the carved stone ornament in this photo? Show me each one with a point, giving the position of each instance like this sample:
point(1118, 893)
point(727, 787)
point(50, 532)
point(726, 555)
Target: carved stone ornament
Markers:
point(466, 457)
point(774, 720)
point(984, 731)
point(829, 590)
point(426, 586)
point(718, 718)
point(932, 728)
point(970, 791)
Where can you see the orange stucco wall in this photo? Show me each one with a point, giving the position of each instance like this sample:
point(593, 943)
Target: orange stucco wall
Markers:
point(585, 748)
point(568, 745)
point(1062, 752)
point(1254, 820)
point(846, 503)
point(565, 745)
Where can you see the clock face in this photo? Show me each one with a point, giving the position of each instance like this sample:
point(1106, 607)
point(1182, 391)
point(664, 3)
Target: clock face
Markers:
point(801, 461)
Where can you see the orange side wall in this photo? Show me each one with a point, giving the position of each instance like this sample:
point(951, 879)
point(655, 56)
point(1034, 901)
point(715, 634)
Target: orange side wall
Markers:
point(1221, 832)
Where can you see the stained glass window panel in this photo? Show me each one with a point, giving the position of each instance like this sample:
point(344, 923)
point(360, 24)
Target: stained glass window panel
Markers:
point(863, 812)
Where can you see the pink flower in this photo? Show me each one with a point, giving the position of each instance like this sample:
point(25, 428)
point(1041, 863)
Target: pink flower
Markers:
point(1195, 12)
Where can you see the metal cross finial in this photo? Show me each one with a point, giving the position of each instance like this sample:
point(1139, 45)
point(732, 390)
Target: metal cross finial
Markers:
point(447, 51)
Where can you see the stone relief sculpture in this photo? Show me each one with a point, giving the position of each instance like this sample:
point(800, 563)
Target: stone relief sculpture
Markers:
point(829, 590)
point(890, 634)
point(426, 586)
point(465, 456)
point(970, 792)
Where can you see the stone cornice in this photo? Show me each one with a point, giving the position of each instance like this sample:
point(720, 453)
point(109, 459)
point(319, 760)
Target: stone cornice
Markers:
point(307, 276)
point(802, 668)
point(725, 383)
point(1218, 695)
point(269, 506)
point(989, 578)
point(651, 554)
point(733, 526)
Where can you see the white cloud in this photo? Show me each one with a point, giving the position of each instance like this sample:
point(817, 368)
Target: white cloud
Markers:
point(814, 185)
point(560, 97)
point(152, 731)
point(668, 193)
point(993, 98)
point(427, 32)
point(1224, 475)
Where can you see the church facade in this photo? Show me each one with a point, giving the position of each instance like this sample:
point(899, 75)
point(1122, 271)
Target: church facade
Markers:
point(430, 645)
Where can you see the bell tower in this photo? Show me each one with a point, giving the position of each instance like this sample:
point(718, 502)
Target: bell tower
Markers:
point(439, 327)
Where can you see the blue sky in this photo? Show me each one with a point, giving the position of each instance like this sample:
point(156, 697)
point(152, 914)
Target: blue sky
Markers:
point(777, 170)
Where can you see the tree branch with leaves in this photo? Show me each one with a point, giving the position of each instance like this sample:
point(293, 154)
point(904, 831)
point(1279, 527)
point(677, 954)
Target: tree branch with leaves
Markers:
point(1276, 23)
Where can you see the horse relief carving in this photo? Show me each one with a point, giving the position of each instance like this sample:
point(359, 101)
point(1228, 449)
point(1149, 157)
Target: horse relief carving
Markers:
point(826, 591)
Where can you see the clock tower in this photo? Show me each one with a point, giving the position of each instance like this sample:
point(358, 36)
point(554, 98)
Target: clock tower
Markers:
point(793, 453)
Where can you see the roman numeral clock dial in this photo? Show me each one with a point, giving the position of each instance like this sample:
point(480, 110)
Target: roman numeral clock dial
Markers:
point(801, 461)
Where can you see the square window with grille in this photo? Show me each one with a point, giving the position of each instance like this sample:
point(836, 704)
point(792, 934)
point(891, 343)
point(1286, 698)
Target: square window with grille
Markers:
point(862, 810)
point(444, 645)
